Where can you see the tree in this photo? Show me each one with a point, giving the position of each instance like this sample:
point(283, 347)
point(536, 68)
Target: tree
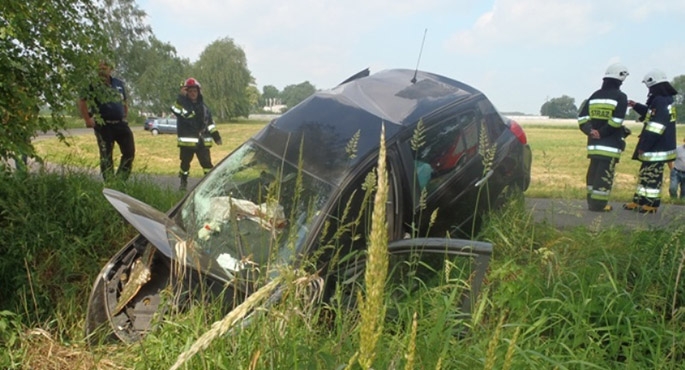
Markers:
point(222, 71)
point(162, 72)
point(292, 95)
point(270, 96)
point(48, 51)
point(254, 97)
point(679, 84)
point(562, 107)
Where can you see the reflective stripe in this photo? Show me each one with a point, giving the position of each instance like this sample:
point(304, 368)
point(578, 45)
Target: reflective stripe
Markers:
point(211, 127)
point(648, 192)
point(657, 156)
point(655, 127)
point(583, 119)
point(616, 122)
point(610, 102)
point(607, 151)
point(600, 195)
point(192, 140)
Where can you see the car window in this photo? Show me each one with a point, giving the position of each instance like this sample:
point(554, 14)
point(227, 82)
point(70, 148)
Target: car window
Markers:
point(448, 146)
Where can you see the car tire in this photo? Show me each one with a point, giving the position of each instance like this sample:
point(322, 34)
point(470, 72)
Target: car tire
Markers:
point(155, 131)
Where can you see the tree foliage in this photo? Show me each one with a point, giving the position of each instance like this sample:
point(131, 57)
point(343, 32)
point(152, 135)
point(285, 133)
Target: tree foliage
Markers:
point(48, 51)
point(561, 107)
point(292, 95)
point(222, 71)
point(679, 84)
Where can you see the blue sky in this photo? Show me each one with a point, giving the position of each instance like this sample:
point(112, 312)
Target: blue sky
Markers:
point(518, 52)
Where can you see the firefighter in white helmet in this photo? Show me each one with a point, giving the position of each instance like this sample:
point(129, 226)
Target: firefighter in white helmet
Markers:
point(657, 144)
point(195, 129)
point(601, 119)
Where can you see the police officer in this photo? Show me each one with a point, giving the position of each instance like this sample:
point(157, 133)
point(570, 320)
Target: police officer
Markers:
point(195, 128)
point(657, 142)
point(105, 110)
point(601, 119)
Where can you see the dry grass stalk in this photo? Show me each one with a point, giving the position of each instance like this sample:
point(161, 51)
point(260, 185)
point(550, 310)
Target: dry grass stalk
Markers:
point(219, 328)
point(510, 350)
point(490, 357)
point(411, 349)
point(371, 307)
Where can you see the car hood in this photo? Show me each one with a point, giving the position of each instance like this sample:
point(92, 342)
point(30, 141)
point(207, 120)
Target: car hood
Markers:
point(153, 224)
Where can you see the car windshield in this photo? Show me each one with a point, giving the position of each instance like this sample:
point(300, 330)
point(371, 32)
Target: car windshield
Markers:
point(252, 213)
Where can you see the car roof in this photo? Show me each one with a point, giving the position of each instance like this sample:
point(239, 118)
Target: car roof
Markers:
point(328, 121)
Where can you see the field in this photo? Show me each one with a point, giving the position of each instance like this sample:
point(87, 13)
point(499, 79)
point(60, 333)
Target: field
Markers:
point(582, 298)
point(559, 156)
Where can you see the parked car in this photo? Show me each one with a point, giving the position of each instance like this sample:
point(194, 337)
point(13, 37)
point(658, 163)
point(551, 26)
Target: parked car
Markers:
point(157, 125)
point(296, 194)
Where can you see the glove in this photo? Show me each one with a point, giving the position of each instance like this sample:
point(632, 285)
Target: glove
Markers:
point(216, 137)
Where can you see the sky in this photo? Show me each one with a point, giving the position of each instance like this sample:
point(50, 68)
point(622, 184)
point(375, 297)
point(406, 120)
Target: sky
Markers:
point(519, 53)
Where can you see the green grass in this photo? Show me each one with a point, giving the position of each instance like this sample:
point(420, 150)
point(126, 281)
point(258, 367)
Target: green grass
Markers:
point(572, 299)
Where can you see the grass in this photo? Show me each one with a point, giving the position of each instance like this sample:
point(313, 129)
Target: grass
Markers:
point(154, 154)
point(572, 299)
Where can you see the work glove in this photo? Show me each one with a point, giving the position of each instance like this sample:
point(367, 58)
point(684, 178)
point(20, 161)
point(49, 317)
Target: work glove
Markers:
point(216, 137)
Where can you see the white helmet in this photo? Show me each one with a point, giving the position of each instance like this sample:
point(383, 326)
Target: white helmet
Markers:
point(617, 71)
point(654, 77)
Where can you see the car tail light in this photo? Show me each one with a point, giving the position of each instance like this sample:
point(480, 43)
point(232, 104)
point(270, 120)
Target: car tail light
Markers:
point(517, 130)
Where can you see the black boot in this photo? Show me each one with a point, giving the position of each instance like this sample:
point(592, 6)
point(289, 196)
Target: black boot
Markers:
point(184, 182)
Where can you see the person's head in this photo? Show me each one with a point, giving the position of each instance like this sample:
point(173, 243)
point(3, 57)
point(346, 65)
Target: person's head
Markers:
point(105, 69)
point(192, 87)
point(617, 71)
point(657, 83)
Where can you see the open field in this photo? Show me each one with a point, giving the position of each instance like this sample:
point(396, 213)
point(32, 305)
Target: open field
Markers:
point(559, 156)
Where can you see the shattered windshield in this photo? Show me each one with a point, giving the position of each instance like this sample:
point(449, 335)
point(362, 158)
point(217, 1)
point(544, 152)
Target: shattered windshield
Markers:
point(253, 211)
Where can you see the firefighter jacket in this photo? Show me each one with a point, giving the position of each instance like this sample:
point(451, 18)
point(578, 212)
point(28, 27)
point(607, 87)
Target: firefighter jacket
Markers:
point(604, 111)
point(658, 137)
point(195, 125)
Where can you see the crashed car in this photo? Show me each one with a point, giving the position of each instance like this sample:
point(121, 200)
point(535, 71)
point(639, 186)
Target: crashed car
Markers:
point(297, 194)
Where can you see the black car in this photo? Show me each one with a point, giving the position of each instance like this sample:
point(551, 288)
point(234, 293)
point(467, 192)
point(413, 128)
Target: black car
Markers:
point(296, 194)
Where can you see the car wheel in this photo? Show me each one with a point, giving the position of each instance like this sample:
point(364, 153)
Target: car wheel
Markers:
point(155, 131)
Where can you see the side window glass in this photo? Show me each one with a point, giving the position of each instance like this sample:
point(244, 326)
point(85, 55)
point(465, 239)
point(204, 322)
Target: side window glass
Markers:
point(448, 146)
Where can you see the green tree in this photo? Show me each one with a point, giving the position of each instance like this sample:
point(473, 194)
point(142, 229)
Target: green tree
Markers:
point(254, 97)
point(270, 96)
point(222, 71)
point(292, 95)
point(679, 84)
point(561, 107)
point(162, 72)
point(48, 51)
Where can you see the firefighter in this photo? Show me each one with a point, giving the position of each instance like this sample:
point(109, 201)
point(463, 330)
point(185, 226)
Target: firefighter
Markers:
point(195, 129)
point(657, 143)
point(601, 119)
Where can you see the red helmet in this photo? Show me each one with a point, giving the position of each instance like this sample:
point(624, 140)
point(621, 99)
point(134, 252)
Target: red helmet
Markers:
point(191, 82)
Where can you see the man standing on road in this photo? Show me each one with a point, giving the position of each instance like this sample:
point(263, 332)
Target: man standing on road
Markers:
point(657, 142)
point(677, 173)
point(601, 119)
point(196, 129)
point(105, 109)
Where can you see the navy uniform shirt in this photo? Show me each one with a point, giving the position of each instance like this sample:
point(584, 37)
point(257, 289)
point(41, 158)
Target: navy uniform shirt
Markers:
point(109, 100)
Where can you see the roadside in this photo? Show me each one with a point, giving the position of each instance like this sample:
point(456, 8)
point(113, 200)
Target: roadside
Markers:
point(562, 213)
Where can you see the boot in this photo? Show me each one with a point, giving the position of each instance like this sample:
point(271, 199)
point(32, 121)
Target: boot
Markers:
point(648, 209)
point(632, 206)
point(184, 182)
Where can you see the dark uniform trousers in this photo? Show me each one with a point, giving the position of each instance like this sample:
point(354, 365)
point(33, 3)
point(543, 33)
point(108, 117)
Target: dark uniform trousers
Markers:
point(599, 179)
point(650, 180)
point(203, 156)
point(115, 132)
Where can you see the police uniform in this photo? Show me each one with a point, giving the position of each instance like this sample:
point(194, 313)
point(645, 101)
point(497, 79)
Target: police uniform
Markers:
point(111, 127)
point(656, 146)
point(604, 112)
point(196, 131)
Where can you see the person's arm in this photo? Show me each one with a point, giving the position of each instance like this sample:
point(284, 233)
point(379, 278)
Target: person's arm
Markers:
point(83, 108)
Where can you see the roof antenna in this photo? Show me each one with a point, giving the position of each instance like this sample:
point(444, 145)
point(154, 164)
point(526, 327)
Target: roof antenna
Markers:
point(413, 80)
